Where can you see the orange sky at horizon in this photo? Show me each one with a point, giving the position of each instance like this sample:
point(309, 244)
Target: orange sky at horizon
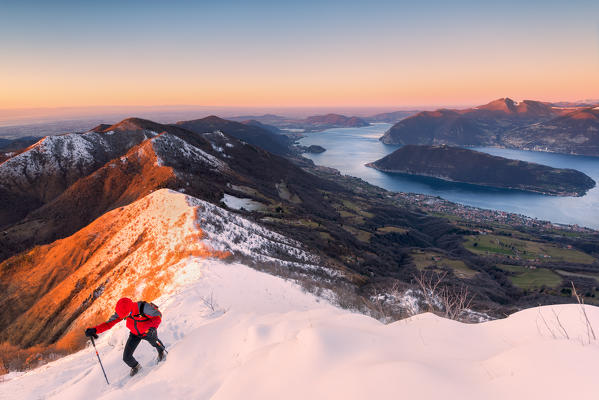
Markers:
point(386, 90)
point(322, 54)
point(346, 82)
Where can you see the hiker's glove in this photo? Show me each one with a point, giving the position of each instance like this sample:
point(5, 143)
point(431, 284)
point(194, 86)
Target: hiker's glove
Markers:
point(91, 332)
point(151, 333)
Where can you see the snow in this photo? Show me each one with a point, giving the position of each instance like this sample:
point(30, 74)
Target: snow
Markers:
point(237, 203)
point(267, 339)
point(46, 157)
point(173, 146)
point(235, 333)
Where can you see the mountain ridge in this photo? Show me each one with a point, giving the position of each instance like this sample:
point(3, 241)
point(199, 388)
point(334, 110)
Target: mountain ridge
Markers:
point(527, 125)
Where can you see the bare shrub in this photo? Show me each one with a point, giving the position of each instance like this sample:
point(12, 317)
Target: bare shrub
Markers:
point(589, 327)
point(211, 302)
point(455, 302)
point(429, 282)
point(442, 298)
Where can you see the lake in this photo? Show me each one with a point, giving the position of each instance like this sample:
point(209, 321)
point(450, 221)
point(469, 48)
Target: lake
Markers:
point(348, 149)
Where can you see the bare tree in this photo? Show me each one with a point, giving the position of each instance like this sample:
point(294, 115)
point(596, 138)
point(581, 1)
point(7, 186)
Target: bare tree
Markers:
point(549, 329)
point(455, 302)
point(590, 330)
point(210, 301)
point(559, 324)
point(428, 283)
point(443, 298)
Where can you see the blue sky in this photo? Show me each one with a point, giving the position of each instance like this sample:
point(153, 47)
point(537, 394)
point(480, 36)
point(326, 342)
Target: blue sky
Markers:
point(264, 52)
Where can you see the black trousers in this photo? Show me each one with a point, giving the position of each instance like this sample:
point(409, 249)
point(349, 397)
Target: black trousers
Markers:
point(132, 344)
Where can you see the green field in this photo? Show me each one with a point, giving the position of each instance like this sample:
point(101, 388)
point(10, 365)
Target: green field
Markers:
point(424, 259)
point(391, 229)
point(525, 249)
point(359, 234)
point(526, 278)
point(580, 274)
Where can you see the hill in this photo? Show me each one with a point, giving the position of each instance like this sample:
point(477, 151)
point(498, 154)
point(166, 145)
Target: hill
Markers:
point(233, 332)
point(314, 123)
point(469, 166)
point(577, 132)
point(249, 133)
point(526, 125)
point(389, 117)
point(40, 174)
point(270, 128)
point(334, 121)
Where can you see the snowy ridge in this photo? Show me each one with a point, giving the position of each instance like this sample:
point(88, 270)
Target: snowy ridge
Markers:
point(136, 251)
point(173, 225)
point(229, 232)
point(264, 338)
point(172, 146)
point(53, 163)
point(50, 154)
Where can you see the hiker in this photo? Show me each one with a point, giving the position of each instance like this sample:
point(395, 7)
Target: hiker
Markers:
point(142, 320)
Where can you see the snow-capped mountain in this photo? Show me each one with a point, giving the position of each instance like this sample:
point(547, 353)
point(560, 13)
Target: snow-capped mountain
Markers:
point(44, 170)
point(112, 166)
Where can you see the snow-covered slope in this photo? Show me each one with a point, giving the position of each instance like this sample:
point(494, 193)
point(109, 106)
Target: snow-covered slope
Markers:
point(45, 169)
point(56, 289)
point(266, 339)
point(67, 157)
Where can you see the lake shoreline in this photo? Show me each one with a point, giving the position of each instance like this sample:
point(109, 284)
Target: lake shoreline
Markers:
point(349, 149)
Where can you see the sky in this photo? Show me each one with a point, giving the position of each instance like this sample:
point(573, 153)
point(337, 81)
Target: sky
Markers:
point(295, 53)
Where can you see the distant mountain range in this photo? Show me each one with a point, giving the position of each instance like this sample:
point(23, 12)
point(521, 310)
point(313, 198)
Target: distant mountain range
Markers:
point(8, 147)
point(528, 125)
point(389, 117)
point(463, 165)
point(313, 123)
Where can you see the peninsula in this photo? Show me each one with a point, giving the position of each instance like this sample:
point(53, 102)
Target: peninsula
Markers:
point(468, 166)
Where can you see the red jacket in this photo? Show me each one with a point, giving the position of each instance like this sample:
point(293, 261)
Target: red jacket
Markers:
point(137, 322)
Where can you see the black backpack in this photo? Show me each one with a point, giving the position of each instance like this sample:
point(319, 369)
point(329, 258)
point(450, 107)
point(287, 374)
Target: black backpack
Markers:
point(143, 307)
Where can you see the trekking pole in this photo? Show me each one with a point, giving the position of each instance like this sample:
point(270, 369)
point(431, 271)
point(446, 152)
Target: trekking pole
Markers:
point(100, 361)
point(161, 345)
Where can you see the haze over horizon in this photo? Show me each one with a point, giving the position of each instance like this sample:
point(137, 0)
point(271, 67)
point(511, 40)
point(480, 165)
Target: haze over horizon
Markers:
point(383, 54)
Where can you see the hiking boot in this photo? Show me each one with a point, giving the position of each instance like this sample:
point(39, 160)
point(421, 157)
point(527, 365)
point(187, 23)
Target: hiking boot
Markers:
point(135, 369)
point(161, 355)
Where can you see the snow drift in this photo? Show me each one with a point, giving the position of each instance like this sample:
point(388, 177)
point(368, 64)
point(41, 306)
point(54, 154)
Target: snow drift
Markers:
point(234, 333)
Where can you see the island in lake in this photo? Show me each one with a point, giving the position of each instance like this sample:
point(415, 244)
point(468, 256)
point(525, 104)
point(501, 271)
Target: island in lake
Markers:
point(315, 149)
point(468, 166)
